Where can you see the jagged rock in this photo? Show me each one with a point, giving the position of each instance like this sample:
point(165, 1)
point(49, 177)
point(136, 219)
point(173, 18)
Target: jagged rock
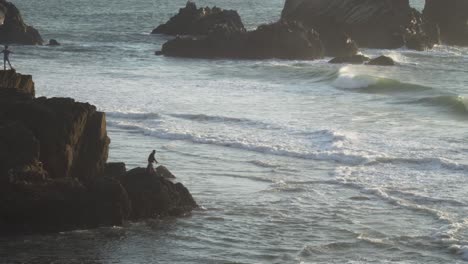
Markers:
point(164, 172)
point(73, 138)
point(382, 61)
point(355, 59)
point(13, 84)
point(193, 21)
point(451, 17)
point(338, 44)
point(371, 23)
point(152, 195)
point(14, 30)
point(53, 42)
point(53, 171)
point(282, 40)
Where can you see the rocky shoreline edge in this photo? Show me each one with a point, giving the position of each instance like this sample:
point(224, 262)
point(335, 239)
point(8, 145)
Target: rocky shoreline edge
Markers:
point(54, 174)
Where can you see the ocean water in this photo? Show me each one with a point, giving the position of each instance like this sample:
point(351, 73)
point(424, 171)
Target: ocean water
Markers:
point(291, 161)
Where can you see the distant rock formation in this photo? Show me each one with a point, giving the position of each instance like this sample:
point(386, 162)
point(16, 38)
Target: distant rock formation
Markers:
point(451, 17)
point(282, 40)
point(53, 171)
point(53, 42)
point(14, 30)
point(193, 21)
point(384, 24)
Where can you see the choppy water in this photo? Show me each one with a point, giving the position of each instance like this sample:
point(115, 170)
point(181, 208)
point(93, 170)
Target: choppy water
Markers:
point(292, 161)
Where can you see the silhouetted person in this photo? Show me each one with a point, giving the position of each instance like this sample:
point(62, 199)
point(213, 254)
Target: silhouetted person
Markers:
point(151, 159)
point(6, 57)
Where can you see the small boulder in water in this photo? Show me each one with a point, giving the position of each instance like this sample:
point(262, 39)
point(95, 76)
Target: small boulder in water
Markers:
point(158, 53)
point(53, 42)
point(382, 61)
point(355, 59)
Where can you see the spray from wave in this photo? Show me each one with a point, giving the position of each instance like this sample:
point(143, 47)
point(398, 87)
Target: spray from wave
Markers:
point(349, 79)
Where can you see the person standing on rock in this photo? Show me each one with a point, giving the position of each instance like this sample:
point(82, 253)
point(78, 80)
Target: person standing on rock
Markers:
point(151, 159)
point(6, 57)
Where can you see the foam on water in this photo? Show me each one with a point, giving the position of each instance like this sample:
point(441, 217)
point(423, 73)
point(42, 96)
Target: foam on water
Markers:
point(347, 79)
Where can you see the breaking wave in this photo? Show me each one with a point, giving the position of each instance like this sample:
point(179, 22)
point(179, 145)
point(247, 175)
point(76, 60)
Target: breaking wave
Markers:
point(458, 104)
point(348, 80)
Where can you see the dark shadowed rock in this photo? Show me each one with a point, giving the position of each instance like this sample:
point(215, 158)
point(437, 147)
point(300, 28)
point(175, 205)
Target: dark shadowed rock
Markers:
point(355, 59)
point(338, 44)
point(164, 172)
point(200, 21)
point(61, 204)
point(73, 138)
point(53, 42)
point(282, 40)
point(152, 195)
point(53, 171)
point(14, 30)
point(371, 23)
point(16, 85)
point(382, 61)
point(116, 170)
point(451, 17)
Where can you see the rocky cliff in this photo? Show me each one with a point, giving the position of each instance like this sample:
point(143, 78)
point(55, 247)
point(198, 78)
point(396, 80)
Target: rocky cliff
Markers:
point(53, 154)
point(14, 30)
point(371, 23)
point(451, 17)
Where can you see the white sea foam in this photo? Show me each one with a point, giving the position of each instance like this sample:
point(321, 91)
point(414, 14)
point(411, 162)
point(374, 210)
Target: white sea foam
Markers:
point(333, 154)
point(347, 79)
point(133, 115)
point(431, 162)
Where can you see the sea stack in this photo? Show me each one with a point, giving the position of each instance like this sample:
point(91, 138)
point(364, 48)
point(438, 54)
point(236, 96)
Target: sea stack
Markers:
point(386, 24)
point(54, 174)
point(200, 21)
point(14, 30)
point(281, 40)
point(451, 17)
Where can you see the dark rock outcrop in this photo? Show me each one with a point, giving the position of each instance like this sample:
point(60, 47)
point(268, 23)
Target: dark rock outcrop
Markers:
point(193, 21)
point(61, 204)
point(53, 171)
point(371, 23)
point(382, 61)
point(152, 195)
point(14, 30)
point(355, 59)
point(282, 40)
point(451, 18)
point(53, 42)
point(16, 85)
